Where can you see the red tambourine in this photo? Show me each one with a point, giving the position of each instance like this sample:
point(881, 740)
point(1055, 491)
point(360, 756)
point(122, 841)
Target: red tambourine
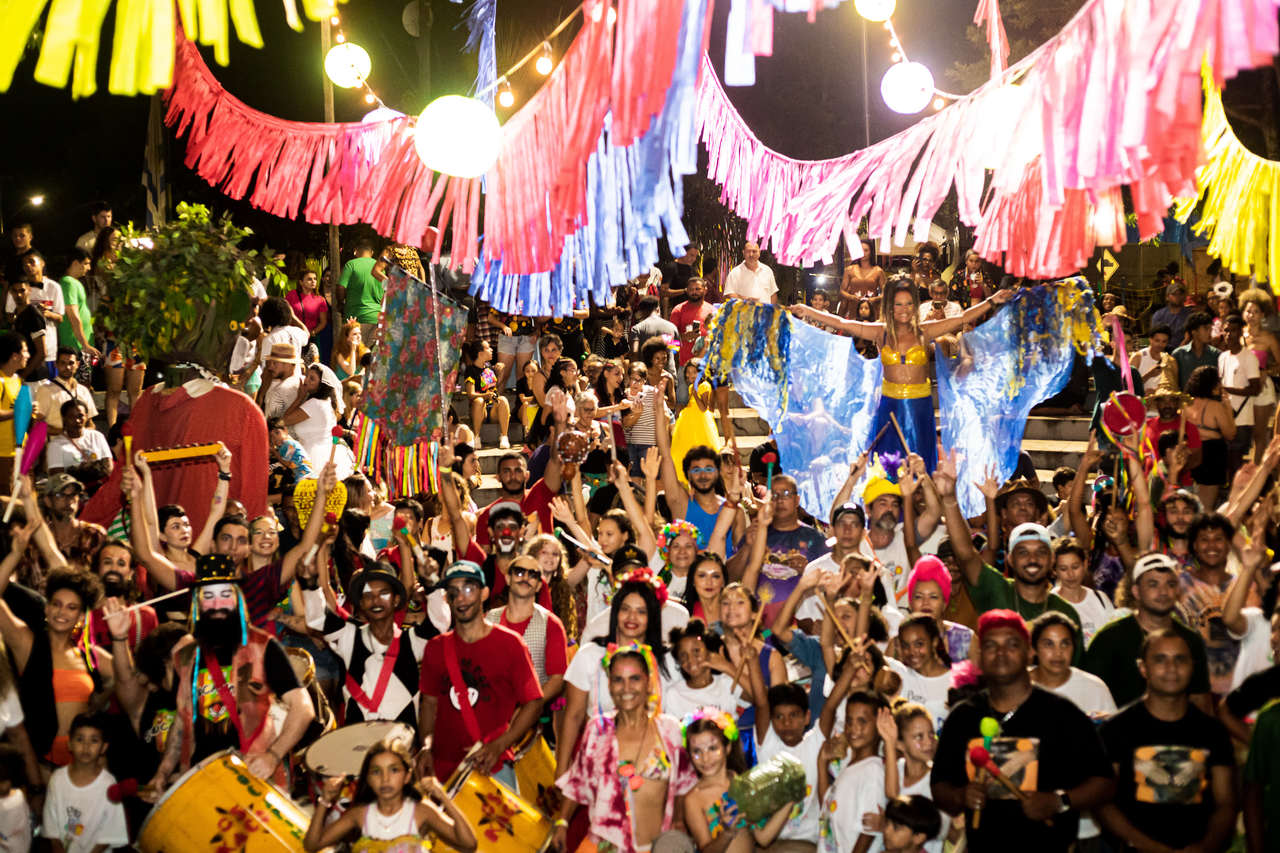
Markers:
point(1124, 413)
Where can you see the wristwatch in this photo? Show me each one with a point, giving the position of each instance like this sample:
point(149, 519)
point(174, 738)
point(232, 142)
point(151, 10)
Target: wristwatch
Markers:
point(1064, 801)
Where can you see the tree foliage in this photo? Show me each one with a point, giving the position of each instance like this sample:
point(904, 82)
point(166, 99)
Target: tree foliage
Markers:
point(1028, 23)
point(180, 292)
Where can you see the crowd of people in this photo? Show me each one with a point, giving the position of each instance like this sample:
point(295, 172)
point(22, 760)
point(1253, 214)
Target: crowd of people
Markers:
point(644, 637)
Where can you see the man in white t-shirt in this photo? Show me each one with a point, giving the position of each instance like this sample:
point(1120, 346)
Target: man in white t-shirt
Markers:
point(751, 280)
point(100, 213)
point(45, 295)
point(52, 393)
point(1242, 381)
point(939, 307)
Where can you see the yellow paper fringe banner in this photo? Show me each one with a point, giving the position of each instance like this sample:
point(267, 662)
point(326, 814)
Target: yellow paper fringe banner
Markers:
point(142, 49)
point(1239, 194)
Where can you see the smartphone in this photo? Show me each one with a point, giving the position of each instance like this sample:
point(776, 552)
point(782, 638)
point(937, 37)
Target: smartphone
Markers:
point(696, 325)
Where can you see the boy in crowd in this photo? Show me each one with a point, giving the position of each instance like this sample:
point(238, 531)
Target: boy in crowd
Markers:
point(78, 817)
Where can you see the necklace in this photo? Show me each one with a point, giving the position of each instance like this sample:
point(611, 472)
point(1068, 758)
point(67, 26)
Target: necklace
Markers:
point(382, 824)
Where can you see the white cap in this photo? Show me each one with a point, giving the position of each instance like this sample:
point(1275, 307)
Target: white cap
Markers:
point(1154, 563)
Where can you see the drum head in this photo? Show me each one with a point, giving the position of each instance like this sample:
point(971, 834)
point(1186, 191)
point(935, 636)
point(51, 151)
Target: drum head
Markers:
point(1124, 413)
point(178, 783)
point(341, 752)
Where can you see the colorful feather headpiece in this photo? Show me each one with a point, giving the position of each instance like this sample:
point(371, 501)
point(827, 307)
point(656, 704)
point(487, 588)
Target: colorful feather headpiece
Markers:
point(724, 722)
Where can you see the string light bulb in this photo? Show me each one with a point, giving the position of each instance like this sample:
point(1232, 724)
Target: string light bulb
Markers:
point(545, 63)
point(369, 97)
point(339, 38)
point(334, 21)
point(938, 103)
point(347, 65)
point(875, 10)
point(907, 87)
point(506, 98)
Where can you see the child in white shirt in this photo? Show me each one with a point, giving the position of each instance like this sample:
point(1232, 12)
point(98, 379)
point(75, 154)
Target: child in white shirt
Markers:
point(78, 817)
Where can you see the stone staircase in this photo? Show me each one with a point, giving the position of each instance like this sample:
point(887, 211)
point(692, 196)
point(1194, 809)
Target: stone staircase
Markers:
point(1051, 441)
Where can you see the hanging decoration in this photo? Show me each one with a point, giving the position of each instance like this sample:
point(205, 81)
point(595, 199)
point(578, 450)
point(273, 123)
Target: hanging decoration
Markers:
point(142, 56)
point(907, 87)
point(876, 10)
point(1238, 195)
point(343, 176)
point(481, 24)
point(1111, 104)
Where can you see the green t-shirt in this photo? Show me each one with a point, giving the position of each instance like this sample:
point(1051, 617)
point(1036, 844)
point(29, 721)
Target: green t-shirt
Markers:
point(364, 292)
point(73, 294)
point(996, 592)
point(1263, 769)
point(1113, 657)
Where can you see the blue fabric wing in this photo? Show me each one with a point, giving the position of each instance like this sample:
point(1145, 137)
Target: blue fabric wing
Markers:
point(1019, 357)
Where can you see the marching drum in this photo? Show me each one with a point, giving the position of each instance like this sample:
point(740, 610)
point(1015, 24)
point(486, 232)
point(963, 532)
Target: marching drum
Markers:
point(502, 821)
point(220, 805)
point(341, 752)
point(535, 768)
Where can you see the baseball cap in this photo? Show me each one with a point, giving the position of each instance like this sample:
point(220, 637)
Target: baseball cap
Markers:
point(847, 509)
point(1154, 563)
point(1029, 531)
point(628, 555)
point(465, 570)
point(503, 508)
point(57, 482)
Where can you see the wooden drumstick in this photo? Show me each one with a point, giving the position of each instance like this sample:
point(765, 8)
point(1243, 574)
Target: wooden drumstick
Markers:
point(755, 626)
point(893, 419)
point(831, 614)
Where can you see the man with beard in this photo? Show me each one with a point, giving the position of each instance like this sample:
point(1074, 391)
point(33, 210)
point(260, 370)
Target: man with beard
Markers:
point(479, 688)
point(849, 528)
point(1046, 746)
point(1203, 588)
point(542, 630)
point(885, 502)
point(1029, 558)
point(380, 658)
point(691, 318)
point(1175, 763)
point(226, 681)
point(1178, 511)
point(700, 504)
point(534, 502)
point(1168, 402)
point(114, 567)
point(1114, 651)
point(78, 540)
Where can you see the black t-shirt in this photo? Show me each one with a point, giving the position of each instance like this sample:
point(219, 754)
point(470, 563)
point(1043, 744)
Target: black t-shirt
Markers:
point(570, 331)
point(1046, 744)
point(214, 737)
point(1164, 784)
point(29, 323)
point(1254, 692)
point(482, 379)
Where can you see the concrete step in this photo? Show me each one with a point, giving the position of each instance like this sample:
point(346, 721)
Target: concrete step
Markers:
point(1050, 454)
point(1058, 428)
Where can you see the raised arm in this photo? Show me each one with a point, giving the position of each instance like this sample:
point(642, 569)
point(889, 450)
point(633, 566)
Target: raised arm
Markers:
point(449, 497)
point(159, 567)
point(19, 538)
point(934, 329)
point(846, 491)
point(759, 545)
point(967, 556)
point(677, 497)
point(644, 530)
point(129, 690)
point(1239, 505)
point(1075, 498)
point(1144, 520)
point(325, 484)
point(1253, 554)
point(218, 505)
point(873, 332)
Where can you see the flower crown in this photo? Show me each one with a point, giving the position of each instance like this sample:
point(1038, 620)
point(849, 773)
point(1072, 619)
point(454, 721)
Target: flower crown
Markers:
point(724, 722)
point(646, 576)
point(646, 652)
point(670, 532)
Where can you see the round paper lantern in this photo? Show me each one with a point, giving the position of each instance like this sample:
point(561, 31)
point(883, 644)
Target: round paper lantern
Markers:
point(875, 10)
point(907, 87)
point(347, 65)
point(458, 136)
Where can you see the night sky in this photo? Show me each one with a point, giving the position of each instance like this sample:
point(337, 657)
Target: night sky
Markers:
point(807, 102)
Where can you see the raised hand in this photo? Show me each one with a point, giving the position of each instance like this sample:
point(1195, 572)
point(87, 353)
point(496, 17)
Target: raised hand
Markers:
point(223, 458)
point(560, 510)
point(887, 726)
point(1092, 455)
point(651, 464)
point(990, 486)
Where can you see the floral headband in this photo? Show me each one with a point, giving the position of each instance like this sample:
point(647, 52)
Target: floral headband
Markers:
point(646, 576)
point(612, 650)
point(671, 532)
point(721, 718)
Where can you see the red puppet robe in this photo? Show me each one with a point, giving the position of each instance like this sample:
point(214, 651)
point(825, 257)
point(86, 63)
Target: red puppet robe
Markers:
point(171, 417)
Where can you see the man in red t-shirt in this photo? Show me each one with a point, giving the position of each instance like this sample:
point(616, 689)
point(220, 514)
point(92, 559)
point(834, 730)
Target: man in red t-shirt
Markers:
point(479, 687)
point(513, 476)
point(1168, 418)
point(690, 317)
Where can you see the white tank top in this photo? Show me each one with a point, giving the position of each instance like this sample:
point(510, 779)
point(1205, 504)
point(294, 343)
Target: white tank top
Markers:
point(379, 827)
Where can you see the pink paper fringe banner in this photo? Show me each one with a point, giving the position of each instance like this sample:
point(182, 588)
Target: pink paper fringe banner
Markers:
point(349, 173)
point(1112, 101)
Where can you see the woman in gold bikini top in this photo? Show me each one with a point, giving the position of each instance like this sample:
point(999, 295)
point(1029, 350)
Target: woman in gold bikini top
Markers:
point(903, 340)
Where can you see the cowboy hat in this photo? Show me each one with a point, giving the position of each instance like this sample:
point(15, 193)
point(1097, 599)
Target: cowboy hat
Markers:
point(284, 352)
point(1022, 484)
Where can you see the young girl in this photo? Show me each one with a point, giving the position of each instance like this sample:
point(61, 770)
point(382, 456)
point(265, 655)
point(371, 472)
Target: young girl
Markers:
point(528, 408)
point(710, 816)
point(678, 547)
point(1070, 569)
point(909, 745)
point(705, 679)
point(921, 659)
point(387, 809)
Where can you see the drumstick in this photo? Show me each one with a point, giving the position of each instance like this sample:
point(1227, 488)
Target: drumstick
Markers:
point(879, 436)
point(831, 614)
point(173, 594)
point(17, 484)
point(755, 626)
point(893, 419)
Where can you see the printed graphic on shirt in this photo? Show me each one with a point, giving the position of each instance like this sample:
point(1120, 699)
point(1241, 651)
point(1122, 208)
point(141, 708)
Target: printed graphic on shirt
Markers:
point(475, 680)
point(74, 824)
point(1170, 775)
point(1018, 759)
point(159, 731)
point(211, 707)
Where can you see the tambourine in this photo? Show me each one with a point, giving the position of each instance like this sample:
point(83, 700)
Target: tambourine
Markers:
point(572, 447)
point(1123, 414)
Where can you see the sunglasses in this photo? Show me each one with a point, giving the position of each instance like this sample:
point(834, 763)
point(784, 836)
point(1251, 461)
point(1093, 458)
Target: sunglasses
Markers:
point(522, 572)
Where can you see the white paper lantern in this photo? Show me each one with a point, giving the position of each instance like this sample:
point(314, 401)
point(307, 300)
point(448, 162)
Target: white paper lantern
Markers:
point(907, 87)
point(347, 65)
point(378, 114)
point(458, 136)
point(875, 10)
